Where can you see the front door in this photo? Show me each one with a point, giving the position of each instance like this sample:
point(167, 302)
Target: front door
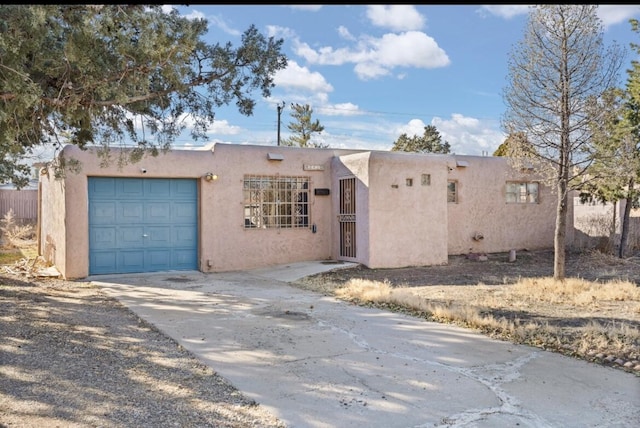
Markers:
point(347, 217)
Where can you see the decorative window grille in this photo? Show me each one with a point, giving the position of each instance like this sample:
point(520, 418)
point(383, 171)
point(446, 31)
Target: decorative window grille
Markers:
point(276, 202)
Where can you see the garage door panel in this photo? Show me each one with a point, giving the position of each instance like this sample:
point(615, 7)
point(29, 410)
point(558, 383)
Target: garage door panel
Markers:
point(183, 212)
point(103, 261)
point(158, 212)
point(159, 236)
point(184, 236)
point(130, 212)
point(104, 237)
point(183, 189)
point(158, 259)
point(142, 225)
point(182, 259)
point(159, 187)
point(129, 188)
point(103, 188)
point(103, 212)
point(130, 260)
point(130, 237)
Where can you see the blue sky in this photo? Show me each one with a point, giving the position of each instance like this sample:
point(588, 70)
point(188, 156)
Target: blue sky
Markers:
point(371, 73)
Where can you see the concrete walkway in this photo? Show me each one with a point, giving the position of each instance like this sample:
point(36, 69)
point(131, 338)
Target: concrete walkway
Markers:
point(314, 361)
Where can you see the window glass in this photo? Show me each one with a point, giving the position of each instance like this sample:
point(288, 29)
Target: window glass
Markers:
point(452, 191)
point(521, 192)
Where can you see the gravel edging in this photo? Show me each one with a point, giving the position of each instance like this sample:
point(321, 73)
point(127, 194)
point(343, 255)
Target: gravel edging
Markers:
point(73, 357)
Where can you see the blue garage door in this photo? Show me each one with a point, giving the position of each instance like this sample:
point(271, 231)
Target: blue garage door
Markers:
point(142, 225)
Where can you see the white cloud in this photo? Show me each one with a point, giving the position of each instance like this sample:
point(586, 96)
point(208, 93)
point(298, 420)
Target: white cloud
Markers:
point(218, 22)
point(345, 34)
point(410, 49)
point(343, 109)
point(302, 86)
point(297, 77)
point(414, 127)
point(278, 32)
point(222, 127)
point(166, 8)
point(507, 11)
point(617, 14)
point(468, 135)
point(307, 7)
point(396, 17)
point(375, 57)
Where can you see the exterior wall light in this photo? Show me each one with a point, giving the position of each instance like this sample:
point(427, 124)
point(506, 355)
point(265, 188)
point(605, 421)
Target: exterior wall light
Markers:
point(210, 176)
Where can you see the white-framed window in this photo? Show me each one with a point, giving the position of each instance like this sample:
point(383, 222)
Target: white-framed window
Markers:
point(452, 191)
point(276, 202)
point(522, 192)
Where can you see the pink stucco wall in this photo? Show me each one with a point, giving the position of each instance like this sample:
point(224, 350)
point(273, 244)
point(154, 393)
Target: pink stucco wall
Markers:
point(397, 224)
point(224, 242)
point(53, 239)
point(407, 220)
point(482, 210)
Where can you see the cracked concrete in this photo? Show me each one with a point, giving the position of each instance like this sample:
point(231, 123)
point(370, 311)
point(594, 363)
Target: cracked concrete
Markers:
point(314, 361)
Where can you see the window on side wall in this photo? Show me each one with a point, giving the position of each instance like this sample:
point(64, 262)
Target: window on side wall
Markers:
point(452, 191)
point(522, 192)
point(276, 202)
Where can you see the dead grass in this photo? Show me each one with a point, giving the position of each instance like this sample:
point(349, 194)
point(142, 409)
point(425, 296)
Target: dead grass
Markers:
point(9, 256)
point(572, 292)
point(589, 319)
point(17, 241)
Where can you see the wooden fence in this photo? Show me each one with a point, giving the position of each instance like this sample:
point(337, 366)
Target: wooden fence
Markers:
point(24, 204)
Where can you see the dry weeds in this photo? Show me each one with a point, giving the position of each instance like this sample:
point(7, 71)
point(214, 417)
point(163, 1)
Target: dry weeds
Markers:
point(596, 320)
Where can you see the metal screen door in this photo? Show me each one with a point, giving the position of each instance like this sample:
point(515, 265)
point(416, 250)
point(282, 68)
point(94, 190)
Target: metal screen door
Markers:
point(347, 217)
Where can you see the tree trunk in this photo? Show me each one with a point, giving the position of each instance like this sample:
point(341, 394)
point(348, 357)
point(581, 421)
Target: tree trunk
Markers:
point(559, 242)
point(612, 230)
point(624, 234)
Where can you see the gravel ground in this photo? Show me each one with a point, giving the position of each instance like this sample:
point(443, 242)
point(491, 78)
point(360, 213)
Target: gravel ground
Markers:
point(72, 357)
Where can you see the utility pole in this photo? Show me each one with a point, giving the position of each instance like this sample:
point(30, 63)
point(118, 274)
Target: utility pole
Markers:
point(280, 108)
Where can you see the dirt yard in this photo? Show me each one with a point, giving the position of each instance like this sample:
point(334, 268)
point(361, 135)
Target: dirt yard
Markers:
point(467, 281)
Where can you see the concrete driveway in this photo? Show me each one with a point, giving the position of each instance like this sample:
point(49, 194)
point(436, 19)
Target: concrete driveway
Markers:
point(315, 361)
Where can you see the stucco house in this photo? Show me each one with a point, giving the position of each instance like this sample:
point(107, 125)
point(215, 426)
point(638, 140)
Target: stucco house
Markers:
point(247, 206)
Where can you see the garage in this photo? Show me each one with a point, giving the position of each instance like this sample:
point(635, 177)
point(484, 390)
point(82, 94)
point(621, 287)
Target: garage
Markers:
point(142, 224)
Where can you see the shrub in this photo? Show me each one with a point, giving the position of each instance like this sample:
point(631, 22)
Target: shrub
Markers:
point(13, 234)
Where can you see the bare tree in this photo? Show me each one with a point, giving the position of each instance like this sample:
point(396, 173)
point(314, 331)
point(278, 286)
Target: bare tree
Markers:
point(559, 65)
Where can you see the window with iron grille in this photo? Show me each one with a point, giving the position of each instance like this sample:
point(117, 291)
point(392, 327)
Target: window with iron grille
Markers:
point(276, 202)
point(452, 191)
point(522, 192)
